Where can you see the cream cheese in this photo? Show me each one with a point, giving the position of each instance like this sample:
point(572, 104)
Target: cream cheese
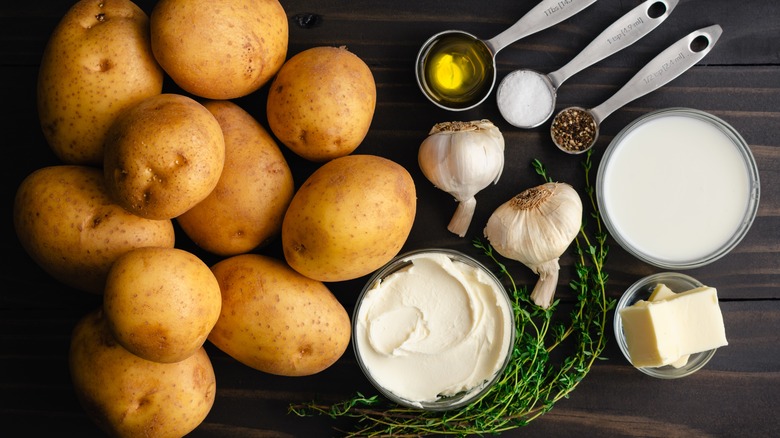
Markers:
point(437, 327)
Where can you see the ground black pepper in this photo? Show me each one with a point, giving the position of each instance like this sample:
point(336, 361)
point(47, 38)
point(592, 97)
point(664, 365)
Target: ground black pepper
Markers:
point(574, 129)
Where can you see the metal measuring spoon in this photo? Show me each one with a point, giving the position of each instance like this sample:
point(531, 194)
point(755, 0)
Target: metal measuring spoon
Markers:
point(526, 98)
point(574, 130)
point(479, 56)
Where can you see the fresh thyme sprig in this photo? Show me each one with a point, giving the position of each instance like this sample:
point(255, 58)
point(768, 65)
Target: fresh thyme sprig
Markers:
point(533, 381)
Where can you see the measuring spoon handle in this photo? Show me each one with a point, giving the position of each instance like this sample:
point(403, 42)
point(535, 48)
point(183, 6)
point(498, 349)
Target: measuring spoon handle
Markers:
point(667, 65)
point(545, 14)
point(627, 30)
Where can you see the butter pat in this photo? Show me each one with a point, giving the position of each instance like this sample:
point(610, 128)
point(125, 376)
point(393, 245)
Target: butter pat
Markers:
point(662, 292)
point(661, 331)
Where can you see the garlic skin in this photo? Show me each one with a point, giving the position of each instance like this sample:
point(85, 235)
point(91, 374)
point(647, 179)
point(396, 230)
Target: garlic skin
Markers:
point(462, 158)
point(535, 228)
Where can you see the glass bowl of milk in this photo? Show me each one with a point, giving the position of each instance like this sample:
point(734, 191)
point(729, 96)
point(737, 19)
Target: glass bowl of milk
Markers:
point(433, 329)
point(678, 188)
point(642, 289)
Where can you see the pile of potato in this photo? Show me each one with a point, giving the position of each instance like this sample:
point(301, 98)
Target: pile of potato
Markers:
point(136, 159)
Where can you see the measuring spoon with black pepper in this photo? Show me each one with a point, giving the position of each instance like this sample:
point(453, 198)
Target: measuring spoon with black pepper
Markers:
point(574, 130)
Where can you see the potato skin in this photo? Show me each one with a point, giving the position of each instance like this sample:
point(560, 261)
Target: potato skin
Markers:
point(97, 62)
point(276, 320)
point(350, 217)
point(232, 48)
point(127, 396)
point(161, 303)
point(68, 224)
point(321, 103)
point(163, 156)
point(246, 208)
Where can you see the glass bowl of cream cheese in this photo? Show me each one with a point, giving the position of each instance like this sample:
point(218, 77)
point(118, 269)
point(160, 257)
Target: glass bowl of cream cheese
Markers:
point(647, 289)
point(433, 329)
point(678, 188)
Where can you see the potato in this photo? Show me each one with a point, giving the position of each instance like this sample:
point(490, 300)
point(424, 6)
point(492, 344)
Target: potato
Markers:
point(127, 396)
point(68, 224)
point(350, 217)
point(97, 62)
point(219, 49)
point(161, 303)
point(276, 320)
point(245, 209)
point(163, 156)
point(321, 103)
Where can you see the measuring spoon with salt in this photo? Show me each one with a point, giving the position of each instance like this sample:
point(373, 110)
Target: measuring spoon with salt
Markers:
point(526, 98)
point(574, 130)
point(457, 71)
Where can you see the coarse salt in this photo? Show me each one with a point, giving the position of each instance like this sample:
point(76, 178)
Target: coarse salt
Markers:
point(524, 99)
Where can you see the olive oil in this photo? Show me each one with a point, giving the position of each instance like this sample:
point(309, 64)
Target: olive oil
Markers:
point(457, 70)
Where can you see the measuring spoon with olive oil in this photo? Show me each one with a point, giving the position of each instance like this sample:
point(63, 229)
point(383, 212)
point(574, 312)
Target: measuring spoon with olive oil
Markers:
point(456, 70)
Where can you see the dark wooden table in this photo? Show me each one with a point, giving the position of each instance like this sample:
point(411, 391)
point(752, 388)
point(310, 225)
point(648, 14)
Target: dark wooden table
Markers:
point(739, 81)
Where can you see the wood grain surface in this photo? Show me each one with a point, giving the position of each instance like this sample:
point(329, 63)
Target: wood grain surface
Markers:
point(736, 394)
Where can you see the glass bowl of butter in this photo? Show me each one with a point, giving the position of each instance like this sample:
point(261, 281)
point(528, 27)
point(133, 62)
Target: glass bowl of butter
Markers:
point(669, 325)
point(433, 329)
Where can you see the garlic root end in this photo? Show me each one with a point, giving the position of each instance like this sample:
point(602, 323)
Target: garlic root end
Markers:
point(544, 290)
point(459, 224)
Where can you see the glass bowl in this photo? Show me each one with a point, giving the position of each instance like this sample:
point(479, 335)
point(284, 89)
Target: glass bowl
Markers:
point(641, 290)
point(410, 326)
point(678, 188)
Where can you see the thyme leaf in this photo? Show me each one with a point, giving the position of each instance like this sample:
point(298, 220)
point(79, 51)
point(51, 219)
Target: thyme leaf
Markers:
point(533, 380)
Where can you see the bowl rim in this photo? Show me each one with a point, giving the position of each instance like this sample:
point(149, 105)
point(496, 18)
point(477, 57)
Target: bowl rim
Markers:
point(442, 404)
point(753, 181)
point(629, 296)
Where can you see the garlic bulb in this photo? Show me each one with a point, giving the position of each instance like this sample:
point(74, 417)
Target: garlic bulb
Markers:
point(462, 158)
point(535, 228)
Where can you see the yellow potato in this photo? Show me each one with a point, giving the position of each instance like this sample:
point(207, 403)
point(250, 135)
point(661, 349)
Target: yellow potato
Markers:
point(350, 217)
point(68, 224)
point(276, 320)
point(127, 396)
point(97, 62)
point(245, 209)
point(219, 49)
point(161, 303)
point(321, 103)
point(163, 156)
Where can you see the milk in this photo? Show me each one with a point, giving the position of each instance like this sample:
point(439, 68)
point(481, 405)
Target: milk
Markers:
point(676, 188)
